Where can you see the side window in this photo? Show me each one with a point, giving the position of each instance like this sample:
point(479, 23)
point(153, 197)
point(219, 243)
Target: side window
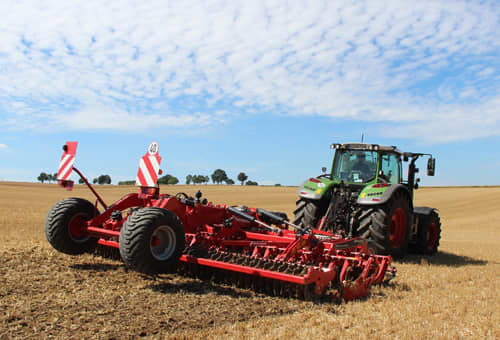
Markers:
point(391, 167)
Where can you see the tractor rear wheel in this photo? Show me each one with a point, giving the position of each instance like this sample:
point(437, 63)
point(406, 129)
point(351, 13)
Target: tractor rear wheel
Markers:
point(308, 212)
point(65, 223)
point(429, 233)
point(387, 227)
point(152, 240)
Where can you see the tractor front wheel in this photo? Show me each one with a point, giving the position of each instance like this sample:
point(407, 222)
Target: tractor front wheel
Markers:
point(308, 212)
point(65, 226)
point(152, 240)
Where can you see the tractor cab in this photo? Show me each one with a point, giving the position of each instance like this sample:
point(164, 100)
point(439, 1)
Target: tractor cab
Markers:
point(363, 164)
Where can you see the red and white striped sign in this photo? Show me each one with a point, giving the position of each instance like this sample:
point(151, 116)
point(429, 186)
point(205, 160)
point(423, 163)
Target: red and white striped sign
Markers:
point(67, 160)
point(149, 167)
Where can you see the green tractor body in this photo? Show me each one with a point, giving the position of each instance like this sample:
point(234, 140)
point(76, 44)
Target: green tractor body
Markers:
point(365, 195)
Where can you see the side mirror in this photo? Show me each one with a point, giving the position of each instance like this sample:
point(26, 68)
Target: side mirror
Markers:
point(323, 170)
point(416, 186)
point(431, 166)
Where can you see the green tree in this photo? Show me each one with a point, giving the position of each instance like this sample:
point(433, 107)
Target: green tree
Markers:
point(229, 181)
point(43, 177)
point(219, 176)
point(173, 180)
point(189, 179)
point(251, 183)
point(104, 179)
point(168, 179)
point(242, 177)
point(95, 180)
point(80, 181)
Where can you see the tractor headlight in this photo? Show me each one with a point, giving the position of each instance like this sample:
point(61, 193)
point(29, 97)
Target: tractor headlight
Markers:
point(335, 146)
point(375, 147)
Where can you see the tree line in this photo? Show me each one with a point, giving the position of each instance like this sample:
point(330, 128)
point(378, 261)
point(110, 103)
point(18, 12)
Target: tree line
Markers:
point(44, 177)
point(219, 176)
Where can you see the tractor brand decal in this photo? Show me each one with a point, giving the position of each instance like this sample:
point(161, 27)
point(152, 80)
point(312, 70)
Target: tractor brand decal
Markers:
point(149, 167)
point(374, 193)
point(321, 185)
point(370, 194)
point(309, 188)
point(67, 160)
point(318, 191)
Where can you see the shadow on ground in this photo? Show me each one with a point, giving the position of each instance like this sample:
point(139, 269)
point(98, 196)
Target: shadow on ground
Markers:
point(198, 287)
point(442, 258)
point(97, 267)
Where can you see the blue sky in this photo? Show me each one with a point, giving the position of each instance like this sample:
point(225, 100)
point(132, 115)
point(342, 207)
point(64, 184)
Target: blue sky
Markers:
point(252, 86)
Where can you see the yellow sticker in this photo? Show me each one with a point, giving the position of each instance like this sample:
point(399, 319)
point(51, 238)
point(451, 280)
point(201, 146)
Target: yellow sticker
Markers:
point(318, 191)
point(362, 195)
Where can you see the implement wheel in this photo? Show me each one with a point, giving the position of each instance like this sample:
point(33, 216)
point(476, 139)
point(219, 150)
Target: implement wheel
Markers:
point(387, 227)
point(65, 225)
point(152, 240)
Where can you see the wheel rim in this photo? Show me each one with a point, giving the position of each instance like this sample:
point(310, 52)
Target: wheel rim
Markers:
point(432, 235)
point(163, 243)
point(77, 226)
point(397, 228)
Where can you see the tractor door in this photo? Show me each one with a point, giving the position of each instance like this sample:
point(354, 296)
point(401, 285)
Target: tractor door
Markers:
point(390, 167)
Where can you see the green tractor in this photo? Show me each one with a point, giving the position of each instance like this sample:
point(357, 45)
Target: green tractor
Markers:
point(365, 195)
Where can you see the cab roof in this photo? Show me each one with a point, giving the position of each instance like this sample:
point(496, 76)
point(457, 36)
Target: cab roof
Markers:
point(364, 146)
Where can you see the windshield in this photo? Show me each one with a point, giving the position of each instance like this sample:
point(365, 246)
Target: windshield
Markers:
point(355, 166)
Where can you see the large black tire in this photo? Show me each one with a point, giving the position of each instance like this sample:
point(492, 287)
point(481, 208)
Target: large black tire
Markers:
point(63, 226)
point(308, 212)
point(152, 240)
point(428, 234)
point(387, 227)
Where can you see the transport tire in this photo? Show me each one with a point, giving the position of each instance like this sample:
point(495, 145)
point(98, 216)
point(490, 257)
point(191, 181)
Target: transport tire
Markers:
point(65, 223)
point(428, 234)
point(152, 240)
point(308, 212)
point(387, 227)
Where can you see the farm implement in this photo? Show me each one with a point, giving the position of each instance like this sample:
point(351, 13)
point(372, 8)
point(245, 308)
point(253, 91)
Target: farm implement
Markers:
point(161, 233)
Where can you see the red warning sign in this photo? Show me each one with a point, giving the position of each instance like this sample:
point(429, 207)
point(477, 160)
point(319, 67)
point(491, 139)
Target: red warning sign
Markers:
point(67, 159)
point(149, 167)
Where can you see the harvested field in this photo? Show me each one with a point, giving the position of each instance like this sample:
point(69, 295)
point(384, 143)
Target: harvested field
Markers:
point(47, 294)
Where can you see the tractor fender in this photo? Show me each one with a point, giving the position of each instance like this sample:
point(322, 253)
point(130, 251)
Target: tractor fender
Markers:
point(314, 188)
point(423, 210)
point(389, 191)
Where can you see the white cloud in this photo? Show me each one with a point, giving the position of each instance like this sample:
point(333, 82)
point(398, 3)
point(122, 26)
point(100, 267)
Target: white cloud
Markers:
point(134, 64)
point(3, 146)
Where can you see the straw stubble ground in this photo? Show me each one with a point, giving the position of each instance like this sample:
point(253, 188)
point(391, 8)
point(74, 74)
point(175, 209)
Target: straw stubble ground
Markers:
point(47, 294)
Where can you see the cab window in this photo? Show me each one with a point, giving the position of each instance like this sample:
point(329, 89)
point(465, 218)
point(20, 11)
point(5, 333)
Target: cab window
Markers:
point(390, 168)
point(355, 166)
